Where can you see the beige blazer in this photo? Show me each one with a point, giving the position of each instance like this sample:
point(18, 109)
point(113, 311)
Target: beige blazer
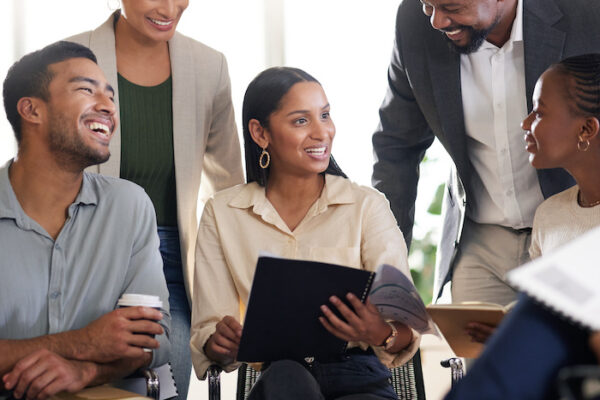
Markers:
point(205, 140)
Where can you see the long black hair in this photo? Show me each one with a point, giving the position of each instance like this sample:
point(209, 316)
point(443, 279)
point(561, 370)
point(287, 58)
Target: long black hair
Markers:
point(262, 98)
point(584, 94)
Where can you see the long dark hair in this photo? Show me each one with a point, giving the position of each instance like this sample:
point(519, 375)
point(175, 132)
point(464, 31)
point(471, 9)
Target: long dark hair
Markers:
point(262, 98)
point(585, 93)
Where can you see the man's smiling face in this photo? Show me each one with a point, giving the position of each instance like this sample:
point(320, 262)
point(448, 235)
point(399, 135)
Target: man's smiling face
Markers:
point(465, 23)
point(81, 112)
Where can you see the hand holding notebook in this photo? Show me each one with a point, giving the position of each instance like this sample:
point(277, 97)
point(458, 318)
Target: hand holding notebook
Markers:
point(286, 298)
point(282, 318)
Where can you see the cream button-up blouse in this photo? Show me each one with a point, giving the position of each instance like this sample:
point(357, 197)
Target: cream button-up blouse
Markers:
point(349, 224)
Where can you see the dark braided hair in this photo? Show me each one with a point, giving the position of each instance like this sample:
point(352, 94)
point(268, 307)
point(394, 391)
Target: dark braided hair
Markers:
point(262, 98)
point(585, 90)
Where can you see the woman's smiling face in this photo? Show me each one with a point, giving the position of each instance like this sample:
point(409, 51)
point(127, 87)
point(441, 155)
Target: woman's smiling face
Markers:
point(300, 132)
point(154, 19)
point(552, 129)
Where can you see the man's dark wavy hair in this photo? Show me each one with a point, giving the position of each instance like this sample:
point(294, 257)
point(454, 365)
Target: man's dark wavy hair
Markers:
point(30, 77)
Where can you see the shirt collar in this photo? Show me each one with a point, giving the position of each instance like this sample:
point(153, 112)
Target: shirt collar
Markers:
point(9, 205)
point(337, 190)
point(89, 192)
point(11, 208)
point(516, 35)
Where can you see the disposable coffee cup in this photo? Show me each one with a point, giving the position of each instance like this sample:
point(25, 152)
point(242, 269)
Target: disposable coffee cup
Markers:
point(133, 300)
point(145, 300)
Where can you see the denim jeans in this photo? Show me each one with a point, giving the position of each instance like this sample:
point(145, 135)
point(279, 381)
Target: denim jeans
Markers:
point(180, 358)
point(357, 375)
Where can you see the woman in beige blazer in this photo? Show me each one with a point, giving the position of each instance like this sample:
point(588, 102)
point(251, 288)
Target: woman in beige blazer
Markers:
point(177, 130)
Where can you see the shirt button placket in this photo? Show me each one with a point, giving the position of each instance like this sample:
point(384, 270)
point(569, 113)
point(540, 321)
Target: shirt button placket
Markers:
point(54, 303)
point(292, 247)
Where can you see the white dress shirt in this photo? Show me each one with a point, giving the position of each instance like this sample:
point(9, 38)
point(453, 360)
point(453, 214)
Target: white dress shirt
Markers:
point(494, 100)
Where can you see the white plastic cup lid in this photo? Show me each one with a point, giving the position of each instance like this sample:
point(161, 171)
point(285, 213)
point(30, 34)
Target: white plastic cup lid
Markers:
point(146, 300)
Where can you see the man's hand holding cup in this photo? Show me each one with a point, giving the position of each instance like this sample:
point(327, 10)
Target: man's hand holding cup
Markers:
point(128, 331)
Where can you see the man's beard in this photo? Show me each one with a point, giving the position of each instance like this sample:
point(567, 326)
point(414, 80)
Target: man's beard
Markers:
point(69, 148)
point(476, 37)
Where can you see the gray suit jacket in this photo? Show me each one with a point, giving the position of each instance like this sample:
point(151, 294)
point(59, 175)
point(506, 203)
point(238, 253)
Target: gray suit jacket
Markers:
point(423, 101)
point(205, 139)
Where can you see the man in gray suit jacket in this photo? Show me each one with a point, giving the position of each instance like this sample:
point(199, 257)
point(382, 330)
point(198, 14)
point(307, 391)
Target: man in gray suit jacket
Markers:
point(464, 71)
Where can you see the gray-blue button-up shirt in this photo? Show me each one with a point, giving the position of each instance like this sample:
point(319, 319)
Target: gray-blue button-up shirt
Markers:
point(107, 247)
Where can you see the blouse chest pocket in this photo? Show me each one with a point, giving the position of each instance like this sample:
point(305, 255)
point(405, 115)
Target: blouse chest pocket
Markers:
point(347, 256)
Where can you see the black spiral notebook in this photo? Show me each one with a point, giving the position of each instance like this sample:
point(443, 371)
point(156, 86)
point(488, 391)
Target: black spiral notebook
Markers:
point(282, 314)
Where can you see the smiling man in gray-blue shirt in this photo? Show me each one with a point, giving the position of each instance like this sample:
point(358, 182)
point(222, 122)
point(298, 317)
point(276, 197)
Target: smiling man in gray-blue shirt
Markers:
point(71, 243)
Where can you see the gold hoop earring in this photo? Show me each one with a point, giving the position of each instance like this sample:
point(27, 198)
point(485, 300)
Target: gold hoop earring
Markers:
point(583, 145)
point(264, 164)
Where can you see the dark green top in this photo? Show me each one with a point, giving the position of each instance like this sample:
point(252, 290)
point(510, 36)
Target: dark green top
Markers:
point(147, 144)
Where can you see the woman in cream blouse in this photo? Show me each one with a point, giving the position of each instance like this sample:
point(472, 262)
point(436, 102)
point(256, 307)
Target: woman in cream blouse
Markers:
point(297, 204)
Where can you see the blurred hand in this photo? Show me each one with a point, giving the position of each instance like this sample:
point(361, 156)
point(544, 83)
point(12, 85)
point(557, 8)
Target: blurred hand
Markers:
point(222, 346)
point(595, 344)
point(122, 333)
point(44, 373)
point(362, 323)
point(479, 332)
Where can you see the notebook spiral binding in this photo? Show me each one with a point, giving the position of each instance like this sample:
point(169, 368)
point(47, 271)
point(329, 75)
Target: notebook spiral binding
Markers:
point(367, 290)
point(363, 298)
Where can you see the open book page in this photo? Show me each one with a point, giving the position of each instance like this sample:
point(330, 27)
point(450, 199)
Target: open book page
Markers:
point(566, 280)
point(472, 306)
point(397, 299)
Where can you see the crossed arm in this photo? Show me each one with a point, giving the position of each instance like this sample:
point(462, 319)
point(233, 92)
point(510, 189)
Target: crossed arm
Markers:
point(109, 347)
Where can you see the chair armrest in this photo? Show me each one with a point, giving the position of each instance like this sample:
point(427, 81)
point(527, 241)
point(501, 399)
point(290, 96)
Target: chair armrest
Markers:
point(456, 368)
point(214, 382)
point(157, 383)
point(152, 383)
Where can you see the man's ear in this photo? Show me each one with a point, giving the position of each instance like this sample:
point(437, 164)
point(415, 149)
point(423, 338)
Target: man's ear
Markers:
point(259, 134)
point(30, 110)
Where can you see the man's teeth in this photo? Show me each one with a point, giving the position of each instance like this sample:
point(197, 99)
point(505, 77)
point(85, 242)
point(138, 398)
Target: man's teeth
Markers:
point(455, 32)
point(161, 23)
point(317, 151)
point(100, 128)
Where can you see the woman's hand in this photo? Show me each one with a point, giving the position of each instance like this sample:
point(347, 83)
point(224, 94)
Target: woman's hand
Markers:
point(479, 332)
point(363, 324)
point(222, 346)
